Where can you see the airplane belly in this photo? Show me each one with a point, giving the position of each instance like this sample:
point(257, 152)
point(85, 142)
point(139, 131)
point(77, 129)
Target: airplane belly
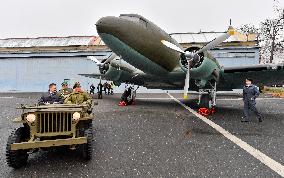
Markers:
point(132, 56)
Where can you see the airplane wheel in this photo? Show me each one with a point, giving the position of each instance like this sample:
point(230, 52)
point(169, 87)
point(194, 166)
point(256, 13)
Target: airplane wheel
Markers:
point(130, 102)
point(205, 101)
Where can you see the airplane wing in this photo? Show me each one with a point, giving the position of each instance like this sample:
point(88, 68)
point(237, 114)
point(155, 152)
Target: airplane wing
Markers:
point(263, 74)
point(260, 67)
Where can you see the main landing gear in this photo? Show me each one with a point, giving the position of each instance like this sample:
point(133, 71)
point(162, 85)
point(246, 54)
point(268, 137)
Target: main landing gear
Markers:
point(207, 100)
point(129, 96)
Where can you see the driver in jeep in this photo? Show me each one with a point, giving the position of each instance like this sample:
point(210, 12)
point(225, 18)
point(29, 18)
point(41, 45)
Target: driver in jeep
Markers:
point(51, 97)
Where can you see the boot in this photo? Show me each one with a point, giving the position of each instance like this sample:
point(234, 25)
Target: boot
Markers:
point(244, 119)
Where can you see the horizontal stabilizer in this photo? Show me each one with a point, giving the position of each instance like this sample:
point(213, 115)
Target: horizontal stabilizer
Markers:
point(97, 76)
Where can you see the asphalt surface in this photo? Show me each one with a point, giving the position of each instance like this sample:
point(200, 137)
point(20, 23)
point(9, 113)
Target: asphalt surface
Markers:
point(157, 138)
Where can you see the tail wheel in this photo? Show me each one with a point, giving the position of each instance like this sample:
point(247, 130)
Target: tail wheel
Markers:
point(87, 148)
point(16, 158)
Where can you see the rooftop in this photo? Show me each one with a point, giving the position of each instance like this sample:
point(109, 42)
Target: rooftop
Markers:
point(204, 37)
point(50, 42)
point(95, 42)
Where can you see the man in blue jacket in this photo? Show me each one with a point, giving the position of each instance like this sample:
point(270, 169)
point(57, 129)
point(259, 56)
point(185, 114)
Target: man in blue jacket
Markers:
point(250, 93)
point(51, 97)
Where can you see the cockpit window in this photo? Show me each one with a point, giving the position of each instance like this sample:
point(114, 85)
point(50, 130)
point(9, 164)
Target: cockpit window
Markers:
point(135, 18)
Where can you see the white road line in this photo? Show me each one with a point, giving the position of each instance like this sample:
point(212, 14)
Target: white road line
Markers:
point(6, 97)
point(272, 164)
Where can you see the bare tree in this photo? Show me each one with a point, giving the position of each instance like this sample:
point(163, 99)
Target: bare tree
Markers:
point(248, 29)
point(271, 34)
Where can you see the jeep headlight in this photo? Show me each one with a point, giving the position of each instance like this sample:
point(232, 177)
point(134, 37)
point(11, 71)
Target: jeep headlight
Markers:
point(76, 116)
point(31, 118)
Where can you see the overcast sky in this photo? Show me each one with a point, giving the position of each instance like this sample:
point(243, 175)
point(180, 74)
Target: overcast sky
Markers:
point(33, 18)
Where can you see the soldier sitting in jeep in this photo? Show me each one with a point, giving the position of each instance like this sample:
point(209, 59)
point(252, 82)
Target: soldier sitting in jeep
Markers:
point(78, 96)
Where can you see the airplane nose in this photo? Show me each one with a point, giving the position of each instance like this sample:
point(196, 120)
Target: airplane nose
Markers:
point(107, 24)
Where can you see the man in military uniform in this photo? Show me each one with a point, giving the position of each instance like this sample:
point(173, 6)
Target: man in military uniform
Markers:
point(92, 89)
point(105, 85)
point(65, 90)
point(100, 90)
point(51, 97)
point(250, 93)
point(78, 96)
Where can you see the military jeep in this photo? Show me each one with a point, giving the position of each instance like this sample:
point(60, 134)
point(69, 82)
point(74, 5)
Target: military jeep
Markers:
point(48, 126)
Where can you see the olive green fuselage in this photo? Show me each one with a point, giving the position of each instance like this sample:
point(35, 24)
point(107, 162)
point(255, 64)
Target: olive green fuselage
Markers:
point(124, 36)
point(138, 42)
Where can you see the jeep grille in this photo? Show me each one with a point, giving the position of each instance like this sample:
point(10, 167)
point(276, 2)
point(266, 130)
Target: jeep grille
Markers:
point(54, 122)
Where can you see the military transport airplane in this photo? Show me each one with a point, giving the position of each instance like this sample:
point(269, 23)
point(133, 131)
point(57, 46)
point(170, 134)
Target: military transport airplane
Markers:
point(145, 55)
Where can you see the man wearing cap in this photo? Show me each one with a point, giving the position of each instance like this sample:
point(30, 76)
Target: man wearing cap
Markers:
point(250, 93)
point(65, 91)
point(78, 96)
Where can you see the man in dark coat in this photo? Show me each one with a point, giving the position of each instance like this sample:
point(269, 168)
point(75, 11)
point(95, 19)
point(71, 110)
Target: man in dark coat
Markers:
point(51, 97)
point(100, 91)
point(250, 93)
point(106, 88)
point(92, 89)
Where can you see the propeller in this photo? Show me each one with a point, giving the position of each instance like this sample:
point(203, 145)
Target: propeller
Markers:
point(194, 57)
point(110, 58)
point(94, 59)
point(103, 67)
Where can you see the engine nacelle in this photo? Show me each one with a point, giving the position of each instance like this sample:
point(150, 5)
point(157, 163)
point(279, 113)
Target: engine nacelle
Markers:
point(104, 68)
point(184, 63)
point(204, 70)
point(118, 75)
